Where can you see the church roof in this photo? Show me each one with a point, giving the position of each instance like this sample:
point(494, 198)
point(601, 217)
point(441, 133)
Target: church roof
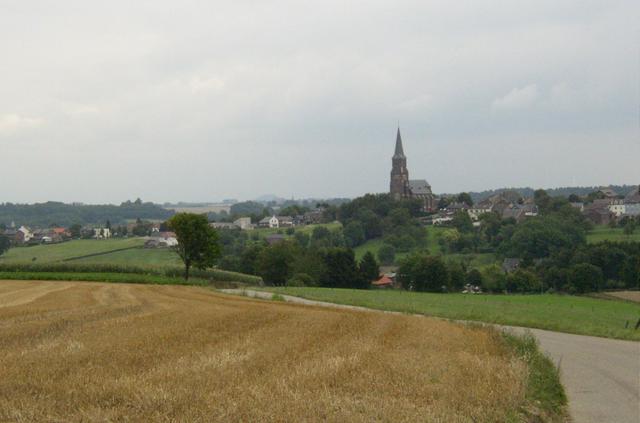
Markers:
point(399, 153)
point(419, 186)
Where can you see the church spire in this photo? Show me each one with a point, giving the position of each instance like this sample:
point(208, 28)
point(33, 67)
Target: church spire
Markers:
point(399, 153)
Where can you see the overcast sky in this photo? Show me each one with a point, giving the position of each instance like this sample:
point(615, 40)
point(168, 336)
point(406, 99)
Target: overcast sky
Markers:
point(103, 101)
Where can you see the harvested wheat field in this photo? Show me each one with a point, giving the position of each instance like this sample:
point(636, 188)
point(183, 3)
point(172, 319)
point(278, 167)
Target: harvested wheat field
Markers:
point(73, 351)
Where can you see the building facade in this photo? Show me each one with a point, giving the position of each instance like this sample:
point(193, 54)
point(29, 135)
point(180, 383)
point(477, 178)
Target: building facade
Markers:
point(401, 186)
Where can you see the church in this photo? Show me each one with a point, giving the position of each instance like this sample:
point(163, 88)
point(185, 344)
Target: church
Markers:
point(403, 187)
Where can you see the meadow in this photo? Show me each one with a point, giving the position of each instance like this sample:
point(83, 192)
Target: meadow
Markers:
point(45, 253)
point(561, 313)
point(605, 233)
point(118, 352)
point(111, 260)
point(306, 229)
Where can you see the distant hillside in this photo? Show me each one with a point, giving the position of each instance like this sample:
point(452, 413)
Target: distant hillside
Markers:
point(51, 212)
point(554, 192)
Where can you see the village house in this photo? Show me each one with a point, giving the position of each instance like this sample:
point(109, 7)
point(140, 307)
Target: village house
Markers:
point(633, 197)
point(631, 210)
point(23, 235)
point(599, 215)
point(616, 206)
point(244, 223)
point(387, 280)
point(608, 192)
point(313, 217)
point(276, 222)
point(101, 233)
point(479, 209)
point(161, 240)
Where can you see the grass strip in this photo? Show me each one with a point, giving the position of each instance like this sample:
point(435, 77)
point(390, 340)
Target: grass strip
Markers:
point(170, 272)
point(103, 277)
point(546, 398)
point(560, 313)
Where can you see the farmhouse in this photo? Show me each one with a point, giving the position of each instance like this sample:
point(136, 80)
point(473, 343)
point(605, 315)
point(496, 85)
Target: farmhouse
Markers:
point(276, 222)
point(161, 239)
point(23, 235)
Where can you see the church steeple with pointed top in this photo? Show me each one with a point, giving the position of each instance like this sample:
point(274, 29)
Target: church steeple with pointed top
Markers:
point(399, 153)
point(399, 186)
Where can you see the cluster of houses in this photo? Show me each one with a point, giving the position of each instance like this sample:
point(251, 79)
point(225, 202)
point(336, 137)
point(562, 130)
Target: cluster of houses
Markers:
point(159, 239)
point(273, 222)
point(26, 236)
point(611, 207)
point(507, 204)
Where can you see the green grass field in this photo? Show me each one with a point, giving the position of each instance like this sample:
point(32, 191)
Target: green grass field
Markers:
point(605, 233)
point(308, 229)
point(581, 315)
point(433, 234)
point(106, 277)
point(144, 257)
point(433, 247)
point(74, 252)
point(66, 250)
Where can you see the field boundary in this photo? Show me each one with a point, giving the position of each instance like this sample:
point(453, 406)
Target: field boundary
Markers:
point(102, 253)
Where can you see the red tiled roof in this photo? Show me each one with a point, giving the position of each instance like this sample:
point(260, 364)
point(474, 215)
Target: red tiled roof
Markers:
point(383, 281)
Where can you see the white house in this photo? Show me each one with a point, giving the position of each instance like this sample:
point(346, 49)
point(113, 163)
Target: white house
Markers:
point(441, 220)
point(617, 207)
point(27, 235)
point(101, 233)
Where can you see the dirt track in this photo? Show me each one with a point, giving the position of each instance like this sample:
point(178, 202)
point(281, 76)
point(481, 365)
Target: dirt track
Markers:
point(601, 376)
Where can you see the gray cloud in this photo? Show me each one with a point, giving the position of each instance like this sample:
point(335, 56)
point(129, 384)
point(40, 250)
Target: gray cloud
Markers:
point(199, 100)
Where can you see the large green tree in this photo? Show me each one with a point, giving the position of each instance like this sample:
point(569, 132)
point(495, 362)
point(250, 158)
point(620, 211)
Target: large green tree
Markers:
point(275, 263)
point(197, 241)
point(341, 270)
point(369, 268)
point(424, 273)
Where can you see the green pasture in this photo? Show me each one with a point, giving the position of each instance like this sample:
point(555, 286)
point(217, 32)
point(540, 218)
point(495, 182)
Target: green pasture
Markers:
point(562, 313)
point(307, 229)
point(145, 257)
point(605, 233)
point(49, 253)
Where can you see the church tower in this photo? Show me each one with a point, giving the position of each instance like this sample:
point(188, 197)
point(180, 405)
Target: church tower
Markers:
point(399, 186)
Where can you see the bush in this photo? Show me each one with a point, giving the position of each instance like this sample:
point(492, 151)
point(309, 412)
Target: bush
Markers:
point(493, 279)
point(523, 281)
point(300, 280)
point(585, 277)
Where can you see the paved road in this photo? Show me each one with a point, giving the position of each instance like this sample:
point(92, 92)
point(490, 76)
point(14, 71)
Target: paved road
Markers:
point(601, 376)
